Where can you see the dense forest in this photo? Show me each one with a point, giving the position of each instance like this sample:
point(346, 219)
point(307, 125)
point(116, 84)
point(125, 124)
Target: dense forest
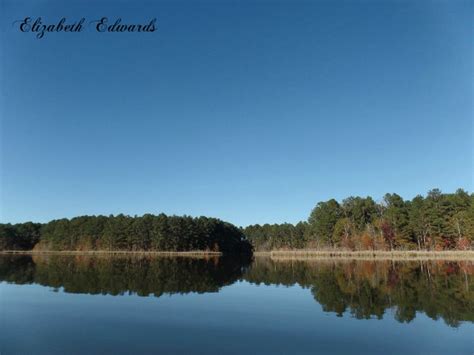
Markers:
point(438, 221)
point(364, 289)
point(125, 233)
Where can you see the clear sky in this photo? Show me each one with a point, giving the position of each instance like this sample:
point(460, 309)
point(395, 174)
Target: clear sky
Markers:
point(250, 111)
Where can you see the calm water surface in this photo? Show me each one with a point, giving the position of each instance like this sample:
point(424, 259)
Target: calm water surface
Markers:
point(129, 305)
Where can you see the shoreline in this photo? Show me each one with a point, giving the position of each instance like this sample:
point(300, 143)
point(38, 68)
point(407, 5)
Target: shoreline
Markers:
point(197, 253)
point(276, 254)
point(369, 255)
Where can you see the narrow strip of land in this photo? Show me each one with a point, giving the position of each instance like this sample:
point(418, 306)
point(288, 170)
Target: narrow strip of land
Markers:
point(368, 254)
point(113, 252)
point(278, 254)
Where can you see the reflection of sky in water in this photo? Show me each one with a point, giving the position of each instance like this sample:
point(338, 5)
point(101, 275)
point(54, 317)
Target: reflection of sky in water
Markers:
point(241, 318)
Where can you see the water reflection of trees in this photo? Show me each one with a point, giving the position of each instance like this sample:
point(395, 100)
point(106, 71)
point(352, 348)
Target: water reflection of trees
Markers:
point(120, 275)
point(367, 289)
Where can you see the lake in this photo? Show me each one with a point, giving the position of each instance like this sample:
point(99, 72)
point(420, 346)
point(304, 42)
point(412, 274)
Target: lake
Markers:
point(57, 304)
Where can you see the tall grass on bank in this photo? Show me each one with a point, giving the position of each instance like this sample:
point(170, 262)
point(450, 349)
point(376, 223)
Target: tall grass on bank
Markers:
point(370, 254)
point(192, 253)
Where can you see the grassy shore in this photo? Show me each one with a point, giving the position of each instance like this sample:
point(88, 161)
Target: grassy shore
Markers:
point(368, 254)
point(193, 253)
point(279, 254)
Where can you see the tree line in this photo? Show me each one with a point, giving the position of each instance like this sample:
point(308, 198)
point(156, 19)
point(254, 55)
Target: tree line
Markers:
point(126, 233)
point(437, 221)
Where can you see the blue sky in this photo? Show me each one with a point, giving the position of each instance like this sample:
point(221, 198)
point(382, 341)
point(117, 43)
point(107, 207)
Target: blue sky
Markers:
point(250, 111)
